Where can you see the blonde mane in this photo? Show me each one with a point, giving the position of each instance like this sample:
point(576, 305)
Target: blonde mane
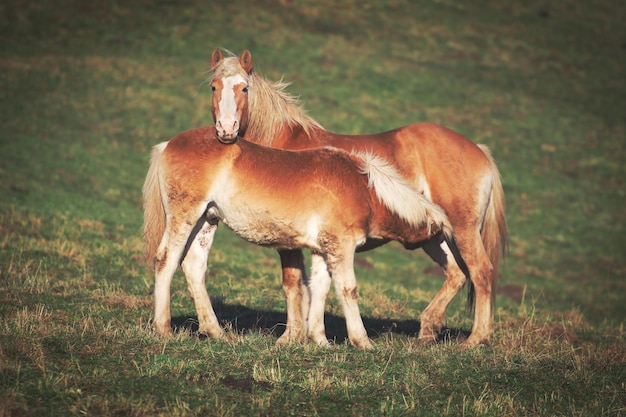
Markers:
point(270, 107)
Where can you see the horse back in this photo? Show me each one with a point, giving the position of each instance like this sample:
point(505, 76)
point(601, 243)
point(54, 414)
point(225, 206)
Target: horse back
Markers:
point(447, 167)
point(315, 179)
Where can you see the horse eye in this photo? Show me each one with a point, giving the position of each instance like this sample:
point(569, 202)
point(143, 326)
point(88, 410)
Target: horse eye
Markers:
point(213, 88)
point(245, 90)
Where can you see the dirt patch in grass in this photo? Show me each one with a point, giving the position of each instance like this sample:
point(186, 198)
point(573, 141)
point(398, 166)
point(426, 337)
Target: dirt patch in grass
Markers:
point(246, 384)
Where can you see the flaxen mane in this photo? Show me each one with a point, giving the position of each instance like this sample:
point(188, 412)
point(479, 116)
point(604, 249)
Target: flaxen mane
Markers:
point(270, 108)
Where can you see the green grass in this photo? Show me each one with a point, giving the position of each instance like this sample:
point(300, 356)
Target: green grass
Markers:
point(87, 89)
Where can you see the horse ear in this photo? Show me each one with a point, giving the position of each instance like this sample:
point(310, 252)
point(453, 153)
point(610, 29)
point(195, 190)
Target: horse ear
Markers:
point(216, 57)
point(246, 61)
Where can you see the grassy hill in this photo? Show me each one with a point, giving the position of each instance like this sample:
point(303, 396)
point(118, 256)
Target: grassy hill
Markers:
point(87, 88)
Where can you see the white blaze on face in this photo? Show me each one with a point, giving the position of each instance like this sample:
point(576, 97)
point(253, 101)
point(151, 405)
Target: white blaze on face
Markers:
point(227, 123)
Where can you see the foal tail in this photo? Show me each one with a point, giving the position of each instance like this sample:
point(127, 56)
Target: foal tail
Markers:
point(399, 196)
point(493, 233)
point(153, 210)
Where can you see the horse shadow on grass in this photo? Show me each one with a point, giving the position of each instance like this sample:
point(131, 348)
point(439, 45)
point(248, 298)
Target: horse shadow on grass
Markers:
point(241, 319)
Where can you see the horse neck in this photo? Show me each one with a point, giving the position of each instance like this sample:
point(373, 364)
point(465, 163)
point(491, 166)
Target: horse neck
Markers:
point(289, 137)
point(274, 116)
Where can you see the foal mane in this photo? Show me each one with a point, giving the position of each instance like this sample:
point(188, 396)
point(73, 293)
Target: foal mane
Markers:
point(270, 107)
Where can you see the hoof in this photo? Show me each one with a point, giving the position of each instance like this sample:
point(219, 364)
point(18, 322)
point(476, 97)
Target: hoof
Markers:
point(471, 344)
point(320, 341)
point(363, 344)
point(163, 331)
point(283, 341)
point(217, 334)
point(290, 337)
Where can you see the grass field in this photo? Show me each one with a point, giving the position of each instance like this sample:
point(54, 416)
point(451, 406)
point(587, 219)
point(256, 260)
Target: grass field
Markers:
point(86, 88)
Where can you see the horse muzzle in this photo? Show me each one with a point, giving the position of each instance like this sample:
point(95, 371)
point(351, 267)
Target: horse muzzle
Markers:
point(227, 140)
point(227, 131)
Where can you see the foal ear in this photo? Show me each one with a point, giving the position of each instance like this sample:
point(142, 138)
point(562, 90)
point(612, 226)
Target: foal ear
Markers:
point(246, 61)
point(216, 57)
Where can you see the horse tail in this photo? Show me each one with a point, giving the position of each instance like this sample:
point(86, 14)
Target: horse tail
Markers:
point(153, 210)
point(494, 232)
point(399, 196)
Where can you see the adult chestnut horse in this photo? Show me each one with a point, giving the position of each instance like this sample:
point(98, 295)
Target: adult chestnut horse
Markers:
point(334, 203)
point(447, 168)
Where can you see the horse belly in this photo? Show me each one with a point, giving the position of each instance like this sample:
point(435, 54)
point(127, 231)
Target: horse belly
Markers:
point(391, 227)
point(264, 228)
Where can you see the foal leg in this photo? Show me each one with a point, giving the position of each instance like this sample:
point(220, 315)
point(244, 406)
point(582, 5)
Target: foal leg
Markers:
point(165, 264)
point(319, 285)
point(194, 266)
point(342, 271)
point(432, 318)
point(296, 294)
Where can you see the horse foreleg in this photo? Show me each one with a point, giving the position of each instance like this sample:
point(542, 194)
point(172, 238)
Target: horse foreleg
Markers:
point(318, 286)
point(194, 266)
point(296, 294)
point(432, 318)
point(342, 272)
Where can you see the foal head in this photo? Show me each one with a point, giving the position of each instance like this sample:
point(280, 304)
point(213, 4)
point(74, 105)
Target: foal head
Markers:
point(230, 93)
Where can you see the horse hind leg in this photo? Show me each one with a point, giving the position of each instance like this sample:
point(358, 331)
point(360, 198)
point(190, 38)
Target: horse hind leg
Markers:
point(163, 273)
point(342, 272)
point(296, 295)
point(194, 266)
point(318, 287)
point(482, 275)
point(347, 292)
point(433, 316)
point(165, 263)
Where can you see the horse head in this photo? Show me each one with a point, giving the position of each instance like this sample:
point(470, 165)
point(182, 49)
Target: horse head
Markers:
point(230, 83)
